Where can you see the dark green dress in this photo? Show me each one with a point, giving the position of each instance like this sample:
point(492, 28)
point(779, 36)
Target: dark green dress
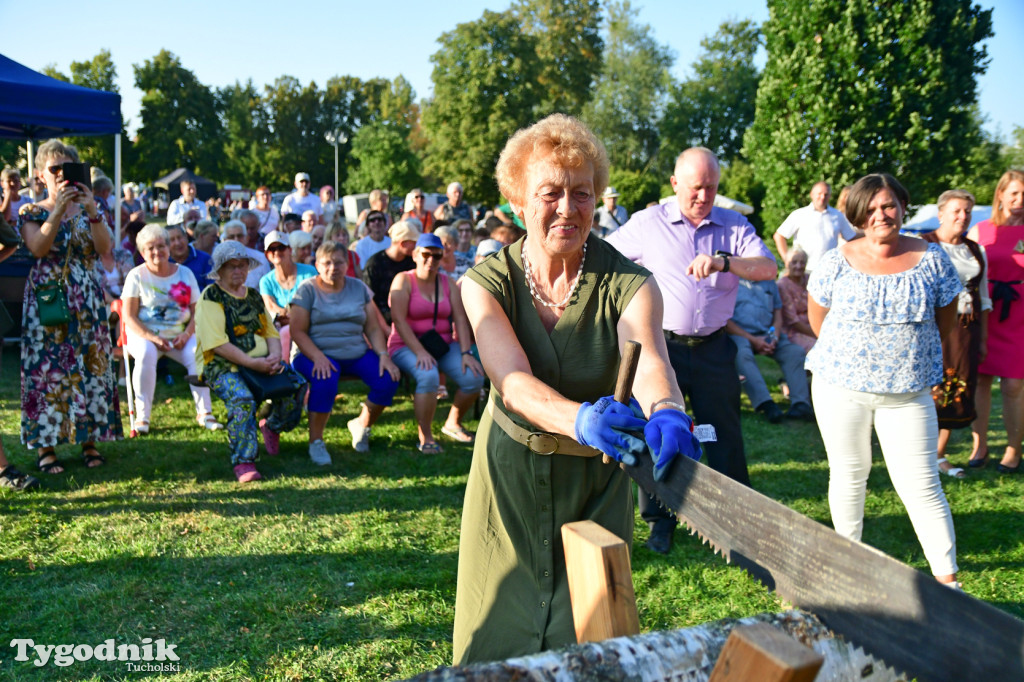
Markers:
point(513, 594)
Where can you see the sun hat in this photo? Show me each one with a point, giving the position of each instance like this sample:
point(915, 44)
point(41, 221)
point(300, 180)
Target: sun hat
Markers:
point(487, 247)
point(609, 193)
point(229, 250)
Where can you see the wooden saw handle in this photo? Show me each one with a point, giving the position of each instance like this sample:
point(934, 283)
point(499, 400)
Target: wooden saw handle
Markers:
point(627, 372)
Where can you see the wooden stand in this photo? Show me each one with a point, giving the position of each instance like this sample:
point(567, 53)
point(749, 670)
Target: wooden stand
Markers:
point(761, 652)
point(600, 582)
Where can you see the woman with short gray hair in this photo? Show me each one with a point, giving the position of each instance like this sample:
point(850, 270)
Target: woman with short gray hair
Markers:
point(159, 305)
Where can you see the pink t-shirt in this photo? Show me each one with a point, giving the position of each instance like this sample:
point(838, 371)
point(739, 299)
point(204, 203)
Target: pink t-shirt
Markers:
point(421, 312)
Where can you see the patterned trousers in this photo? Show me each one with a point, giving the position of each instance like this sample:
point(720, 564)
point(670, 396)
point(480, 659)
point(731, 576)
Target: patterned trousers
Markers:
point(242, 428)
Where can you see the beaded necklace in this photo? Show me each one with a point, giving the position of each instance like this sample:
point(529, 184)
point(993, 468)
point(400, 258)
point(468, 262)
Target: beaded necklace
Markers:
point(533, 288)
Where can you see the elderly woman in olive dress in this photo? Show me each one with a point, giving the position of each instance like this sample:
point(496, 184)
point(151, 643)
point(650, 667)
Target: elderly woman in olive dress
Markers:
point(551, 314)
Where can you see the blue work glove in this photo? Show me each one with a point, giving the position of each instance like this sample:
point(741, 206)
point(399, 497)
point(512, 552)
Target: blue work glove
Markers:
point(668, 433)
point(604, 425)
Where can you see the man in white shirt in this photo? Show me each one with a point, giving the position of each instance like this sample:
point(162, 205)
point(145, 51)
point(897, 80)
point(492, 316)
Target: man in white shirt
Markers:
point(610, 216)
point(816, 228)
point(180, 207)
point(376, 239)
point(301, 200)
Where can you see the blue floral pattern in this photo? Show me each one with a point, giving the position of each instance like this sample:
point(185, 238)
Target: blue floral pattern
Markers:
point(880, 334)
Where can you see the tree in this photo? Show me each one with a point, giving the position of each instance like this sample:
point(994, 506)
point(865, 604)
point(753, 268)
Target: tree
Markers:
point(180, 126)
point(715, 106)
point(245, 123)
point(99, 73)
point(636, 188)
point(297, 125)
point(856, 87)
point(629, 98)
point(568, 48)
point(484, 90)
point(385, 159)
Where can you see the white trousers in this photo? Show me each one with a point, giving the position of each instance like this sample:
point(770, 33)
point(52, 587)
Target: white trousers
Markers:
point(145, 354)
point(907, 429)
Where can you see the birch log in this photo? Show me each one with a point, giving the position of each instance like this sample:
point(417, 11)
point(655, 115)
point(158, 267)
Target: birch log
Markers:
point(687, 655)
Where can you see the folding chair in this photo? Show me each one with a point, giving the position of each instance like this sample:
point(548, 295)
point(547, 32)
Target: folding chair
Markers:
point(122, 343)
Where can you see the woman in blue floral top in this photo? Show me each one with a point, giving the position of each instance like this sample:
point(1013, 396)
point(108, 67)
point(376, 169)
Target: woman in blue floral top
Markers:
point(880, 306)
point(68, 387)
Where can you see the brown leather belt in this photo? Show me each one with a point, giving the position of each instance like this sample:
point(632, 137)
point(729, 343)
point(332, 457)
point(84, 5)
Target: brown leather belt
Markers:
point(539, 442)
point(693, 341)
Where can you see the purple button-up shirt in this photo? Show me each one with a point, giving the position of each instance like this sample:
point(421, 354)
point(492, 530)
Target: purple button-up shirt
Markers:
point(664, 241)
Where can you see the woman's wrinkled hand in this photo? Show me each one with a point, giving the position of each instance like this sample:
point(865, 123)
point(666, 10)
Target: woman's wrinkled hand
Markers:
point(86, 199)
point(323, 366)
point(180, 340)
point(388, 365)
point(472, 364)
point(425, 360)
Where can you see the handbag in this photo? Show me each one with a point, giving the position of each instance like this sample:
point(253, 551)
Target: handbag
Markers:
point(264, 386)
point(52, 298)
point(431, 340)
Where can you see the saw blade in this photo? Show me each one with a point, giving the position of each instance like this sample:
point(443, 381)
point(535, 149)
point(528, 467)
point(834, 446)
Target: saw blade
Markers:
point(896, 613)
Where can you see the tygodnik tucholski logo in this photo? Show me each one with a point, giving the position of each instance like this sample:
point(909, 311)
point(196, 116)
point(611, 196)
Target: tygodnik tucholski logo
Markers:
point(148, 656)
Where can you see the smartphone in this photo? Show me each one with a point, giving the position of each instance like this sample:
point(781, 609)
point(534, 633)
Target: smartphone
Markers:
point(77, 172)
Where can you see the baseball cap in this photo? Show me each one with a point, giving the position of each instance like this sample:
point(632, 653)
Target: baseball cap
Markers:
point(275, 237)
point(403, 231)
point(302, 176)
point(429, 241)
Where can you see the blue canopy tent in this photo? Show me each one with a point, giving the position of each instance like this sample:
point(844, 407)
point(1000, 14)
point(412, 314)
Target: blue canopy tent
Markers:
point(37, 107)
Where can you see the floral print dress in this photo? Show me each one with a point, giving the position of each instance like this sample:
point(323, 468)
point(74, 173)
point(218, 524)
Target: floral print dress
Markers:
point(68, 385)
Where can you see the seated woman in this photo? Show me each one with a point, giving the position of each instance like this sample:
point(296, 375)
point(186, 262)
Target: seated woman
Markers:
point(159, 304)
point(301, 244)
point(338, 232)
point(279, 285)
point(793, 290)
point(233, 330)
point(450, 239)
point(421, 302)
point(332, 316)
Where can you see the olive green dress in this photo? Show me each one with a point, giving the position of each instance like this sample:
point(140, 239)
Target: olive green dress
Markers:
point(513, 594)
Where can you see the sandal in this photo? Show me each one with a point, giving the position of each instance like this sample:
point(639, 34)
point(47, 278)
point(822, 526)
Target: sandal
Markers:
point(92, 457)
point(15, 480)
point(141, 427)
point(458, 433)
point(209, 422)
point(952, 471)
point(430, 448)
point(48, 467)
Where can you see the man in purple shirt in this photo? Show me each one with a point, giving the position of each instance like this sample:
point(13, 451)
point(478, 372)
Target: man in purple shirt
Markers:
point(697, 252)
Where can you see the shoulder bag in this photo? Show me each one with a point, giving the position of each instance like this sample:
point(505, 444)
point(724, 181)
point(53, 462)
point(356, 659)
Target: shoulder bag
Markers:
point(264, 386)
point(431, 340)
point(52, 297)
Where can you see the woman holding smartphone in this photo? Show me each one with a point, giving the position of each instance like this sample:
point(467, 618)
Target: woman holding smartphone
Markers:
point(68, 385)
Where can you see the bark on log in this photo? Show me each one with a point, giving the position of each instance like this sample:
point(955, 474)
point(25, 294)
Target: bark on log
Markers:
point(675, 655)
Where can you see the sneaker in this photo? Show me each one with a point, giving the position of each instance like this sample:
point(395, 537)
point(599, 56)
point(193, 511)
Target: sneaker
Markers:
point(271, 440)
point(801, 411)
point(360, 435)
point(12, 479)
point(247, 472)
point(208, 421)
point(318, 453)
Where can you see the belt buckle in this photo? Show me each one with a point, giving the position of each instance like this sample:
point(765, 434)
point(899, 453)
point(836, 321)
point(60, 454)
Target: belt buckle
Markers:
point(542, 443)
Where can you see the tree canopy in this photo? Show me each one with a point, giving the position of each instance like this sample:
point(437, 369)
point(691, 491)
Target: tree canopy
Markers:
point(857, 87)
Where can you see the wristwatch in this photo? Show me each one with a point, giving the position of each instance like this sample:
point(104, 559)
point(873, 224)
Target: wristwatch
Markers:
point(725, 257)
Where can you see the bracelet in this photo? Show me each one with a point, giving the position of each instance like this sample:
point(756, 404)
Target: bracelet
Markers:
point(97, 219)
point(382, 353)
point(668, 403)
point(467, 352)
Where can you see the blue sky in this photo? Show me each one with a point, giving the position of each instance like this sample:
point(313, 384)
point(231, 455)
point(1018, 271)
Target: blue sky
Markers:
point(314, 40)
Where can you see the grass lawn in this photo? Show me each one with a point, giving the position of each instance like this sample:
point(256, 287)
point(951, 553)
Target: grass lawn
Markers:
point(349, 572)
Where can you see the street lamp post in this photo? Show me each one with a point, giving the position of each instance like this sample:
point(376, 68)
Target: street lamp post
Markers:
point(336, 137)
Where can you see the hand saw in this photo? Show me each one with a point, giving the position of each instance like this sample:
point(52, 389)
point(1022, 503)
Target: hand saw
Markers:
point(896, 613)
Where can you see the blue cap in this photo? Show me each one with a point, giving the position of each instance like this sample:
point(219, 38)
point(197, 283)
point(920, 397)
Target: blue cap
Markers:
point(429, 241)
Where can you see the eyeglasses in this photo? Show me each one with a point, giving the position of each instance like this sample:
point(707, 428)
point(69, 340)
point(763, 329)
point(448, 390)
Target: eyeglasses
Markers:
point(465, 229)
point(418, 196)
point(303, 182)
point(375, 220)
point(430, 255)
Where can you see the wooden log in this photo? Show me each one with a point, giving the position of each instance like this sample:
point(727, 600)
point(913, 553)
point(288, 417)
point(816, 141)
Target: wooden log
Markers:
point(761, 652)
point(669, 656)
point(600, 582)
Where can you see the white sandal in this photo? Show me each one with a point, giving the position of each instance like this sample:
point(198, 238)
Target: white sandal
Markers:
point(209, 422)
point(952, 472)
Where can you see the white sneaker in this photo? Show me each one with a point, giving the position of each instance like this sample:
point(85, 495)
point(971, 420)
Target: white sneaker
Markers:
point(318, 453)
point(360, 435)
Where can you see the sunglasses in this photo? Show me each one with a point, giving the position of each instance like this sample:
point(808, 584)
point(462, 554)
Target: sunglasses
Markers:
point(418, 196)
point(375, 220)
point(55, 170)
point(274, 248)
point(430, 255)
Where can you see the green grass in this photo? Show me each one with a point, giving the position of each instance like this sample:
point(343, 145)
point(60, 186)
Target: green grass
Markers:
point(349, 572)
